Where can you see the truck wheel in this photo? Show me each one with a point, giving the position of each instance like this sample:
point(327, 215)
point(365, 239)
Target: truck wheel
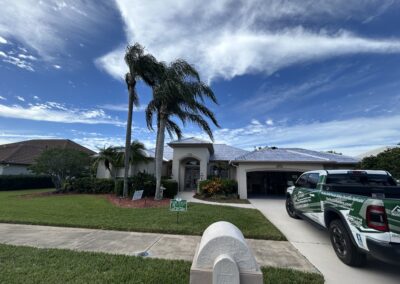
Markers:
point(290, 208)
point(343, 246)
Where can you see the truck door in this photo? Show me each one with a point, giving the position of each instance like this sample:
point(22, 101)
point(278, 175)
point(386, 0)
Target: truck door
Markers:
point(300, 194)
point(312, 193)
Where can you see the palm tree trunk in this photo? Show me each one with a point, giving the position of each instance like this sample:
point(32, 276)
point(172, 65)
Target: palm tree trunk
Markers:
point(128, 139)
point(160, 154)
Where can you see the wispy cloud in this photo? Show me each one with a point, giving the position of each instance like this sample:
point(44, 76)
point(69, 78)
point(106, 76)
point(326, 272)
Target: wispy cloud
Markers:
point(43, 26)
point(225, 39)
point(20, 98)
point(55, 112)
point(3, 40)
point(122, 107)
point(3, 98)
point(350, 136)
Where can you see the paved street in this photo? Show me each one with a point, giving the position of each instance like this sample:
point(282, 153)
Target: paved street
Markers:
point(267, 253)
point(315, 245)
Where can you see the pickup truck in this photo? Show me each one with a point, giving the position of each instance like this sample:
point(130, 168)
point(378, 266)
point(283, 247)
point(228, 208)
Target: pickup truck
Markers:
point(361, 210)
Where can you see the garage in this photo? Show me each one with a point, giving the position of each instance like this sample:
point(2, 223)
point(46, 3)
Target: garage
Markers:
point(269, 183)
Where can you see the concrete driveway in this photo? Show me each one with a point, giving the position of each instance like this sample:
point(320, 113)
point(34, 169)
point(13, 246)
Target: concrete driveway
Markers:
point(315, 245)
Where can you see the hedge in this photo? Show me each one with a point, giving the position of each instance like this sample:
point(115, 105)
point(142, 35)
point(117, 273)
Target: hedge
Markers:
point(15, 182)
point(89, 185)
point(141, 181)
point(171, 188)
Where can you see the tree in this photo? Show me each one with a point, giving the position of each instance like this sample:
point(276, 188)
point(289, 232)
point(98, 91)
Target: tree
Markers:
point(61, 164)
point(137, 153)
point(180, 93)
point(112, 157)
point(388, 160)
point(141, 67)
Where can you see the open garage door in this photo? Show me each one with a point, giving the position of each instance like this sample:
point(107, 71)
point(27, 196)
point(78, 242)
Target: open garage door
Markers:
point(269, 183)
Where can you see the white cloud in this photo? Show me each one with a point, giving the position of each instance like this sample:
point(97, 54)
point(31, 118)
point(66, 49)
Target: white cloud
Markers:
point(36, 98)
point(122, 107)
point(3, 40)
point(3, 98)
point(351, 136)
point(2, 54)
point(55, 112)
point(49, 27)
point(24, 56)
point(269, 122)
point(227, 38)
point(20, 98)
point(57, 66)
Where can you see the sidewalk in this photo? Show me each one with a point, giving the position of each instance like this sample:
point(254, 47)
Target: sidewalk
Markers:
point(188, 195)
point(268, 253)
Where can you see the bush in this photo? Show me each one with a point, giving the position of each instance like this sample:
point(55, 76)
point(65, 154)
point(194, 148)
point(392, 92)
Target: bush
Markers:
point(143, 181)
point(89, 185)
point(119, 187)
point(15, 182)
point(218, 186)
point(171, 188)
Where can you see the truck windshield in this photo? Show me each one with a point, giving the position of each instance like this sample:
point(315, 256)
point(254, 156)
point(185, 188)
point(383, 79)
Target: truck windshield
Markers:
point(363, 179)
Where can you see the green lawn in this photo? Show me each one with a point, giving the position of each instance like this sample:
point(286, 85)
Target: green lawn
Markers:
point(91, 211)
point(31, 265)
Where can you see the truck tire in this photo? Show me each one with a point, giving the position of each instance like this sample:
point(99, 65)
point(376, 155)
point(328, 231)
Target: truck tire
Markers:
point(290, 208)
point(344, 248)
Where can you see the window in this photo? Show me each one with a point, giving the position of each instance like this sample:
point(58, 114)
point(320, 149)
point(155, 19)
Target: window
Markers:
point(302, 181)
point(313, 180)
point(360, 179)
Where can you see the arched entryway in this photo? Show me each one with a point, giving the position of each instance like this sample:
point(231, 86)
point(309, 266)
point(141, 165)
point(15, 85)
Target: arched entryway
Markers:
point(191, 173)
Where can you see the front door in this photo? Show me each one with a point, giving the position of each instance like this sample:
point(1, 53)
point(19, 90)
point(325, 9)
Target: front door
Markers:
point(192, 175)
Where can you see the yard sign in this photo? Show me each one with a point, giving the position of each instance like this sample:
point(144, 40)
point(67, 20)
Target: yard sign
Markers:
point(178, 205)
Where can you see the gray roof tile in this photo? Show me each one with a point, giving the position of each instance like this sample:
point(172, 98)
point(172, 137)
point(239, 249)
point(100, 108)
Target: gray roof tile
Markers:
point(294, 155)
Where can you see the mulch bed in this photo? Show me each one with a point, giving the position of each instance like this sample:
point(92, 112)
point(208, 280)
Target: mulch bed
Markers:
point(142, 203)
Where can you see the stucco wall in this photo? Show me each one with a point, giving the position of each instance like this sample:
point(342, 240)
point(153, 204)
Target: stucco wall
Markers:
point(14, 170)
point(244, 168)
point(148, 167)
point(182, 153)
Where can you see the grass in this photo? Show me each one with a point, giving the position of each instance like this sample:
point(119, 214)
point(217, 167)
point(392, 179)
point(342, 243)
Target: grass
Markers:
point(91, 211)
point(32, 265)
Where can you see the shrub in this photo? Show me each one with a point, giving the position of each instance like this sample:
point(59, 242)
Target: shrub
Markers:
point(15, 182)
point(218, 186)
point(229, 186)
point(89, 185)
point(119, 187)
point(171, 188)
point(143, 181)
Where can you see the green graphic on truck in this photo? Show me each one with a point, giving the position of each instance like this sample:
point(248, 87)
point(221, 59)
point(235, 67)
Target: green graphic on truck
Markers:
point(361, 210)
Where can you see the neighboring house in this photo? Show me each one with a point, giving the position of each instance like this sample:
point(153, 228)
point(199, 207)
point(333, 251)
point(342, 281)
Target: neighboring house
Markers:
point(258, 173)
point(376, 151)
point(15, 158)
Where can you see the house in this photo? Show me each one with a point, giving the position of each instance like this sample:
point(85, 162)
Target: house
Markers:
point(15, 158)
point(259, 173)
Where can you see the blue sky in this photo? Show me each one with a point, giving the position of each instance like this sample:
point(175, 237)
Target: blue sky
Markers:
point(322, 75)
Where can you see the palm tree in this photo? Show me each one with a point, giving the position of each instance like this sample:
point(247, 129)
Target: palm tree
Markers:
point(137, 153)
point(141, 67)
point(180, 93)
point(112, 158)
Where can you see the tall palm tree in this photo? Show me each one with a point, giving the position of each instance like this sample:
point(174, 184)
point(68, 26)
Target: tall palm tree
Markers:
point(112, 158)
point(141, 67)
point(180, 93)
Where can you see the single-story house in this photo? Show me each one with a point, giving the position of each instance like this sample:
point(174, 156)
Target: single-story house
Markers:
point(15, 158)
point(259, 173)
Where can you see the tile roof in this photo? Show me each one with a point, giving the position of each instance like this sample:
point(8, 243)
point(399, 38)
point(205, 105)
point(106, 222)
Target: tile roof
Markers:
point(294, 155)
point(25, 152)
point(223, 152)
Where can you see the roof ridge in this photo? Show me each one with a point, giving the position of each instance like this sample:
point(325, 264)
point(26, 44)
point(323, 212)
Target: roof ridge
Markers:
point(17, 148)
